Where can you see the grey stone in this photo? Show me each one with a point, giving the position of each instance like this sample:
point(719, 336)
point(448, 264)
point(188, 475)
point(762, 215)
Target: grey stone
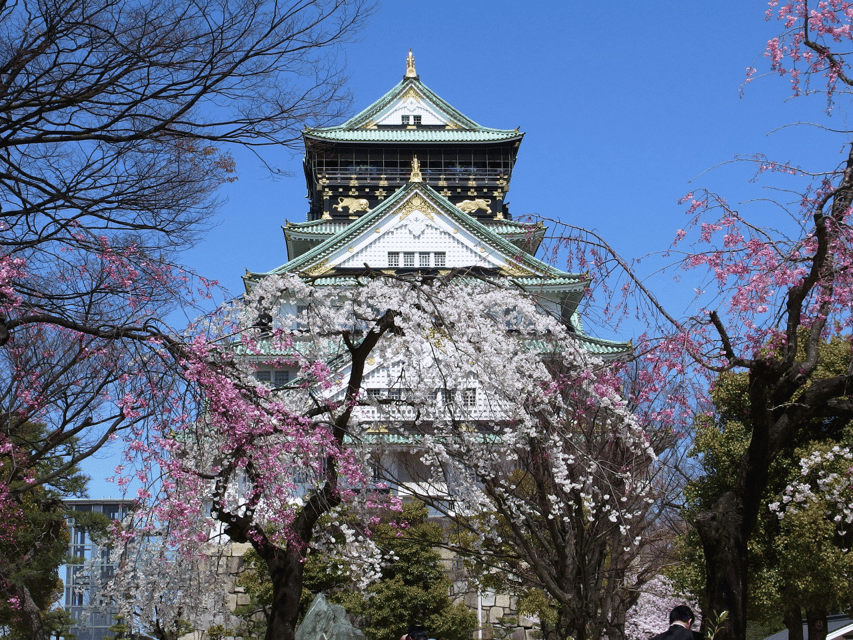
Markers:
point(519, 634)
point(470, 600)
point(326, 621)
point(488, 598)
point(527, 622)
point(502, 601)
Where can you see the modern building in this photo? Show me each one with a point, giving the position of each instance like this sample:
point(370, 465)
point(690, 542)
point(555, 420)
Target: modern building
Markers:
point(92, 619)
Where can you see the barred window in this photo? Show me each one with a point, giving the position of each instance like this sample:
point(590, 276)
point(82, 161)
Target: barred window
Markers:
point(439, 259)
point(469, 398)
point(417, 120)
point(281, 378)
point(423, 259)
point(263, 376)
point(393, 258)
point(405, 120)
point(409, 259)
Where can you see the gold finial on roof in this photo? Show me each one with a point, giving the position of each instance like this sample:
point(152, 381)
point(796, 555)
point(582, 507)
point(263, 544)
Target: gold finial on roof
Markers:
point(410, 66)
point(416, 171)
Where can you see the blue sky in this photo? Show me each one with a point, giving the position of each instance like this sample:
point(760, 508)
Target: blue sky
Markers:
point(623, 105)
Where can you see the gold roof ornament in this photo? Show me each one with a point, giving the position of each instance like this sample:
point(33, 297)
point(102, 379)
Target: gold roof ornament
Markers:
point(410, 66)
point(416, 171)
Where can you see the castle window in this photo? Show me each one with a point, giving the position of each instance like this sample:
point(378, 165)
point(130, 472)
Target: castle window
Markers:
point(408, 258)
point(405, 119)
point(417, 120)
point(375, 394)
point(301, 313)
point(439, 259)
point(275, 377)
point(423, 259)
point(393, 258)
point(469, 398)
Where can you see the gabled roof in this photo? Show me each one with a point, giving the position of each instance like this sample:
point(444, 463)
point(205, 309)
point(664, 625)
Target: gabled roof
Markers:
point(297, 235)
point(526, 269)
point(441, 123)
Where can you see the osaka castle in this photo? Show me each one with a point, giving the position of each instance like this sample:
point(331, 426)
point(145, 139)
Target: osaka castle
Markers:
point(410, 184)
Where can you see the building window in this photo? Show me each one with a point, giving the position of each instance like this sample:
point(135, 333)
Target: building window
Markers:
point(374, 394)
point(469, 398)
point(439, 259)
point(277, 378)
point(408, 258)
point(395, 394)
point(393, 258)
point(417, 120)
point(405, 119)
point(301, 317)
point(423, 259)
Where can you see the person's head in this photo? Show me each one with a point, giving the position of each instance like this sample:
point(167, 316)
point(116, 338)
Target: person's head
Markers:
point(417, 632)
point(682, 613)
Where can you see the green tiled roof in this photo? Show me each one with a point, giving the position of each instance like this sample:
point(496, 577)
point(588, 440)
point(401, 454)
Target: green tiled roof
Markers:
point(411, 135)
point(543, 274)
point(361, 128)
point(317, 227)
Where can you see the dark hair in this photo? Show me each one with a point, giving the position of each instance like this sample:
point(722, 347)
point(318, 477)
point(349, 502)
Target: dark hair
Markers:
point(417, 632)
point(682, 613)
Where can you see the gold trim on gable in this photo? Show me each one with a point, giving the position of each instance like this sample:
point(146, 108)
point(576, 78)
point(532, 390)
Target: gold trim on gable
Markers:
point(415, 203)
point(410, 93)
point(513, 268)
point(319, 269)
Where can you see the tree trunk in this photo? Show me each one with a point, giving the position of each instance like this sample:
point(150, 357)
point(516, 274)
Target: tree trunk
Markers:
point(816, 619)
point(286, 567)
point(30, 614)
point(793, 620)
point(724, 545)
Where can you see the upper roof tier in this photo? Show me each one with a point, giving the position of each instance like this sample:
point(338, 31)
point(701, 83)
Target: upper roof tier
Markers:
point(411, 112)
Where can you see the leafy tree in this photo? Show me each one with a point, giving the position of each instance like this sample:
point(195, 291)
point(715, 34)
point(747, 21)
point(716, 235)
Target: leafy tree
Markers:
point(789, 561)
point(35, 539)
point(413, 587)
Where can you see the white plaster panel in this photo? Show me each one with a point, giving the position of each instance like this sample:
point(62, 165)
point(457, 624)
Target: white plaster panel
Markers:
point(411, 107)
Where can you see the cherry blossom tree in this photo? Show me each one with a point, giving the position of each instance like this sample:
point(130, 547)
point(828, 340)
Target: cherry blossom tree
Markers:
point(117, 118)
point(773, 294)
point(469, 404)
point(650, 615)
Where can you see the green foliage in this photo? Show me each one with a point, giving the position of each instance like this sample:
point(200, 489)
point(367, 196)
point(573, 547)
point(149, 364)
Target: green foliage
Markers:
point(120, 630)
point(58, 623)
point(34, 539)
point(413, 588)
point(797, 561)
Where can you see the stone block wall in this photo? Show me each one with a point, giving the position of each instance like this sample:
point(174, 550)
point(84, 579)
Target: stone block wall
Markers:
point(498, 612)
